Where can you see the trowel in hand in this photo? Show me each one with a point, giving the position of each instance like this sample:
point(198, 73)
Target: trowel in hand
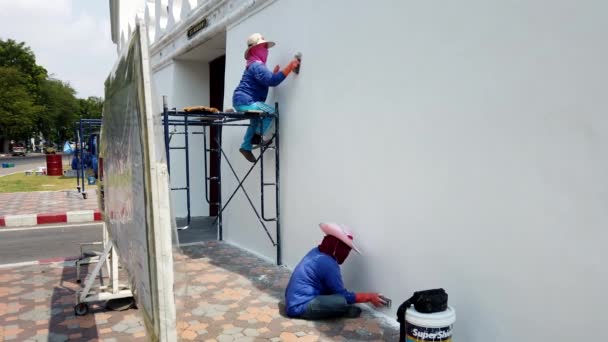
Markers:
point(298, 56)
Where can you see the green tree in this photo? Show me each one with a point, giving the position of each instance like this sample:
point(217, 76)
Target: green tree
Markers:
point(61, 110)
point(20, 79)
point(32, 102)
point(21, 57)
point(91, 107)
point(18, 111)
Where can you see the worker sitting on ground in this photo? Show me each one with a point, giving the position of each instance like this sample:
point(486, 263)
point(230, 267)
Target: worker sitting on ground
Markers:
point(315, 290)
point(253, 89)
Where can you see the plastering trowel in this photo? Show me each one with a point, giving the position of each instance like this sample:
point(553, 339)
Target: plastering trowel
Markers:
point(387, 301)
point(298, 56)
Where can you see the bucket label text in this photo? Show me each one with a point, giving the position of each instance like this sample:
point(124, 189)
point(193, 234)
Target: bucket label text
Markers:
point(422, 334)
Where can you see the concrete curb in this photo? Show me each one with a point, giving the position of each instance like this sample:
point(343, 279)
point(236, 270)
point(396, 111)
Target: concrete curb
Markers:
point(78, 216)
point(39, 262)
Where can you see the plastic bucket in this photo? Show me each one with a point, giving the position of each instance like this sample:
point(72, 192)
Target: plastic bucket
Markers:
point(421, 327)
point(54, 165)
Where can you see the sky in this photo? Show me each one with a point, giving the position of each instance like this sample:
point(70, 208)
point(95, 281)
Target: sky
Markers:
point(70, 38)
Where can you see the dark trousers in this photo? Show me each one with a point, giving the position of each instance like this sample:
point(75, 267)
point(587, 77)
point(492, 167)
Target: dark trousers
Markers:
point(325, 307)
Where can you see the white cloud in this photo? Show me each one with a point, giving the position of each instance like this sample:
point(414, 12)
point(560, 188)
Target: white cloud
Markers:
point(71, 38)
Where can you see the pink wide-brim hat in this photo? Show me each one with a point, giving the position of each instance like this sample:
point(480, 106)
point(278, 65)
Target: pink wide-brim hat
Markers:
point(255, 40)
point(341, 232)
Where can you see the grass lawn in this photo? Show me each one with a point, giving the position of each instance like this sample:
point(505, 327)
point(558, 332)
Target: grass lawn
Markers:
point(21, 183)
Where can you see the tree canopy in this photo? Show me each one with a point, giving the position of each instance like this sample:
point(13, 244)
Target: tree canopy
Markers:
point(21, 57)
point(18, 111)
point(91, 107)
point(33, 103)
point(60, 110)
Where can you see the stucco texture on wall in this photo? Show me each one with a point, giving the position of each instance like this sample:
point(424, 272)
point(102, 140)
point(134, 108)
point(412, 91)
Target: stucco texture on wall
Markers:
point(465, 144)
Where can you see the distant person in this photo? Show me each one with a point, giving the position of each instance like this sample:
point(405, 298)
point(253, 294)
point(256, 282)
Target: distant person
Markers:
point(252, 91)
point(315, 290)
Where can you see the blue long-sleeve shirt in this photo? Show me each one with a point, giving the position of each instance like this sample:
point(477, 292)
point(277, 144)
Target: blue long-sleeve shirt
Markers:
point(317, 274)
point(254, 84)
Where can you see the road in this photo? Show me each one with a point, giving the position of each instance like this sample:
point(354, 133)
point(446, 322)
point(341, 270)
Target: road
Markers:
point(61, 240)
point(44, 242)
point(31, 161)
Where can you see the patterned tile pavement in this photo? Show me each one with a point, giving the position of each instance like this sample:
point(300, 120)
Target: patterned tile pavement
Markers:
point(47, 201)
point(227, 294)
point(37, 304)
point(222, 294)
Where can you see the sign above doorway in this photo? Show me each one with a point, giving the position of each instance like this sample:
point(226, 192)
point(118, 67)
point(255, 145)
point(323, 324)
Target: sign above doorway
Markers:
point(196, 28)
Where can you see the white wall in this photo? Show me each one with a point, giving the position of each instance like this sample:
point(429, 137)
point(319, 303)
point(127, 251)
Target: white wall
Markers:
point(163, 84)
point(123, 14)
point(465, 143)
point(186, 83)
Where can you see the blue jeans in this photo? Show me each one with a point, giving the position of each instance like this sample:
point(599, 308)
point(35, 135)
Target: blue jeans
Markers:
point(325, 307)
point(256, 125)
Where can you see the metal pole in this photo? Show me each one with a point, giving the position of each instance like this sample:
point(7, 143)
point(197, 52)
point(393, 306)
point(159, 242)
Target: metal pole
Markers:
point(263, 184)
point(81, 156)
point(205, 164)
point(219, 184)
point(262, 150)
point(277, 192)
point(187, 168)
point(114, 278)
point(77, 147)
point(166, 125)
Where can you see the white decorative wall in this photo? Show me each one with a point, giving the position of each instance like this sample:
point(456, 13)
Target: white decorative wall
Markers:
point(185, 83)
point(465, 143)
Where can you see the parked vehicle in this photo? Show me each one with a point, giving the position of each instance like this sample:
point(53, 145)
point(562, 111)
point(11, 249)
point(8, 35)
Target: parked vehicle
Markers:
point(18, 149)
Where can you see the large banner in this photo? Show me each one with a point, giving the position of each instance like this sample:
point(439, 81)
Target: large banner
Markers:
point(136, 187)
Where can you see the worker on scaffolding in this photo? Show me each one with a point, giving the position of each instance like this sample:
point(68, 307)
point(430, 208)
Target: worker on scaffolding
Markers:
point(315, 290)
point(253, 90)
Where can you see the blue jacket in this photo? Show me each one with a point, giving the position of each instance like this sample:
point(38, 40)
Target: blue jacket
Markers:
point(317, 274)
point(254, 84)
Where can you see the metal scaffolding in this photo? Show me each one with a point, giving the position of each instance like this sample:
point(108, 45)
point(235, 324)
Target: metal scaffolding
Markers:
point(175, 118)
point(84, 129)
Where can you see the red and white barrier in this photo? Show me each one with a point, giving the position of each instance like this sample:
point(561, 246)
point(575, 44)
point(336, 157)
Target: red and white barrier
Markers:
point(79, 216)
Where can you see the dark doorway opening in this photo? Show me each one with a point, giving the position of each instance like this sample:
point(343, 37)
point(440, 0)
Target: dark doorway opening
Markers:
point(217, 69)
